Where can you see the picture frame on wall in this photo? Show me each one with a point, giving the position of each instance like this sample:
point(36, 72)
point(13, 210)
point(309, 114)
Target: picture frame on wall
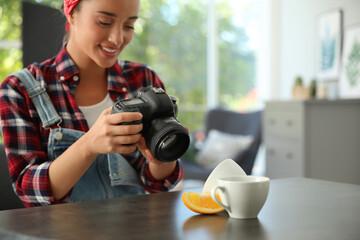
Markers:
point(349, 85)
point(329, 45)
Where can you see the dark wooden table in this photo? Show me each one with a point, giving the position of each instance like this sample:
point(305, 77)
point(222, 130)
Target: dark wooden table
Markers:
point(295, 209)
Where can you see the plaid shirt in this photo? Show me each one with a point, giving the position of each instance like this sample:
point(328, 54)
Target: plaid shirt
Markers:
point(26, 140)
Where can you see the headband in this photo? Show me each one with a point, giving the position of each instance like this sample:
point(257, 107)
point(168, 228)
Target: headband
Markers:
point(69, 5)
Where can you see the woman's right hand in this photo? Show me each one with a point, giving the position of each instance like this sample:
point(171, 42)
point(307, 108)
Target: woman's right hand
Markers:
point(107, 136)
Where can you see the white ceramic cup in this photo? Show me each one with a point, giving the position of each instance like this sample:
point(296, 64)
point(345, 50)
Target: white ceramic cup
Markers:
point(242, 196)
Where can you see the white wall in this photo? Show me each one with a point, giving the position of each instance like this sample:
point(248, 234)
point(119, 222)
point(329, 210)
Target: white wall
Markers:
point(293, 39)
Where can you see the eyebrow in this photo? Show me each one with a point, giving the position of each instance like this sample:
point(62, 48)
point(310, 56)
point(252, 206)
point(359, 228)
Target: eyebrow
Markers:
point(114, 15)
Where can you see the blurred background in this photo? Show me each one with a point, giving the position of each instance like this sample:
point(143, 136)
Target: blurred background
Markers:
point(228, 54)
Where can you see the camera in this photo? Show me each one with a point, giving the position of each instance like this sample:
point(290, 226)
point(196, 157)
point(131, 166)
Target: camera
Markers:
point(166, 138)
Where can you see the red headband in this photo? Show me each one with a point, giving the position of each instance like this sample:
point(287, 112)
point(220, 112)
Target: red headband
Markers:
point(69, 5)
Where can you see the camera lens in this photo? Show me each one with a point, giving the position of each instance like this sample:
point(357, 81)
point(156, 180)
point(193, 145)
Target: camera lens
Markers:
point(169, 143)
point(167, 139)
point(172, 147)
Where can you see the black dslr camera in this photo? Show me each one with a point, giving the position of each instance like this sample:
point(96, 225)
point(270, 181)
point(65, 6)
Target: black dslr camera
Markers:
point(164, 135)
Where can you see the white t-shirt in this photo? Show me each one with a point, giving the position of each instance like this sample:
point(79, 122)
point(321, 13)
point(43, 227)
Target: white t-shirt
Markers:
point(93, 112)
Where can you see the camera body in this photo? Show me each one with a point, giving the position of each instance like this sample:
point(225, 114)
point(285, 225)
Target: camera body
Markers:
point(164, 135)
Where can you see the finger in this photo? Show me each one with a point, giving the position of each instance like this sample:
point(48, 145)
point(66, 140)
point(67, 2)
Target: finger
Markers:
point(141, 143)
point(128, 140)
point(124, 117)
point(118, 130)
point(125, 148)
point(106, 111)
point(146, 152)
point(152, 159)
point(142, 146)
point(150, 156)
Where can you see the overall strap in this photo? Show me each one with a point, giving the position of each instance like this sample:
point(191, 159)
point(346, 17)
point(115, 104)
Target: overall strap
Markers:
point(41, 100)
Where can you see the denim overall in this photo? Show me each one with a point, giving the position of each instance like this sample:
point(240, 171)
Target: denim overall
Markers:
point(109, 176)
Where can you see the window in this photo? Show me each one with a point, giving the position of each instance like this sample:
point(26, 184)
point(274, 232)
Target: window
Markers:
point(238, 41)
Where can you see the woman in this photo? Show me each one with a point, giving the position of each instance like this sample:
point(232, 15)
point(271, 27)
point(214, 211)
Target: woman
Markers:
point(68, 147)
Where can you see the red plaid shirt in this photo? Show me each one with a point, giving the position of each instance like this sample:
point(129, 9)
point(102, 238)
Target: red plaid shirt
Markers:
point(26, 140)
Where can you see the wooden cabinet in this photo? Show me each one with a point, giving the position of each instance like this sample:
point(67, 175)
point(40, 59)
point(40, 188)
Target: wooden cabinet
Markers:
point(316, 139)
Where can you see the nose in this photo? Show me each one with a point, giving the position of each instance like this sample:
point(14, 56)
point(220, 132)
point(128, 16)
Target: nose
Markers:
point(116, 36)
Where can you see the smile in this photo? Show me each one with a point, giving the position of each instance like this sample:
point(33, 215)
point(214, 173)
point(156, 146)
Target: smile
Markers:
point(108, 49)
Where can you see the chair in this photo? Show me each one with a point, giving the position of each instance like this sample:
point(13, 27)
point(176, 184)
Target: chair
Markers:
point(234, 123)
point(8, 198)
point(43, 30)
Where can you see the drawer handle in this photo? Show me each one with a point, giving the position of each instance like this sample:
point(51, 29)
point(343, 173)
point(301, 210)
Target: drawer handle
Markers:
point(289, 123)
point(271, 151)
point(271, 121)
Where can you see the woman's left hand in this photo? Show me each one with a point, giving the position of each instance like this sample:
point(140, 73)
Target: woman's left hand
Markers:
point(159, 170)
point(145, 151)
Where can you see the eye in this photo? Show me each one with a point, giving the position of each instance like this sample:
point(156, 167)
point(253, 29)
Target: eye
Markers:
point(130, 27)
point(104, 23)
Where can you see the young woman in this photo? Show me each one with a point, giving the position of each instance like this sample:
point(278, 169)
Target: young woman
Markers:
point(61, 140)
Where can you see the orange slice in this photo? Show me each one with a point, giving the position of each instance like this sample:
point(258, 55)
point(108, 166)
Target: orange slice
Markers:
point(201, 203)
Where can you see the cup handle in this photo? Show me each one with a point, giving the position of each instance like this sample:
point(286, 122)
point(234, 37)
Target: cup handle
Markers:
point(213, 196)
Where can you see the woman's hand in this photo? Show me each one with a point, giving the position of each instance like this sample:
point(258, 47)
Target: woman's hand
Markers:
point(107, 136)
point(159, 170)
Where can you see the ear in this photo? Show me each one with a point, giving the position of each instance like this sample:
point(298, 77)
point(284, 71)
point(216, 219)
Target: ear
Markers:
point(71, 17)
